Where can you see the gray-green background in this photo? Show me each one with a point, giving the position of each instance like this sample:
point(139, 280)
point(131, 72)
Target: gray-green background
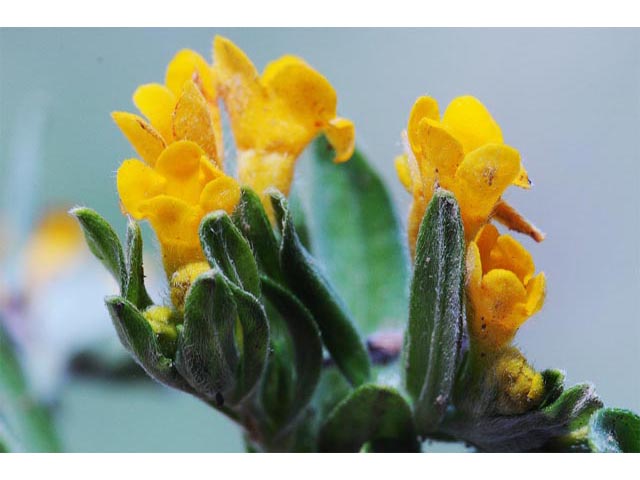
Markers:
point(569, 100)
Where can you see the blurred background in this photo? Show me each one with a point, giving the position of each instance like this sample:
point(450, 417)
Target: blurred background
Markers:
point(568, 99)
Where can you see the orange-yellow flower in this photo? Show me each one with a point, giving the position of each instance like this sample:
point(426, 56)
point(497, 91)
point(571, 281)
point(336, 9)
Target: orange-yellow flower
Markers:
point(276, 115)
point(174, 193)
point(501, 287)
point(184, 108)
point(463, 152)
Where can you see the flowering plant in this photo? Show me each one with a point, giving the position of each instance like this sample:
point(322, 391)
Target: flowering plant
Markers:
point(269, 303)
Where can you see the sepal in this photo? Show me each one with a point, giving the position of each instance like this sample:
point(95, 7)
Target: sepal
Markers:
point(223, 343)
point(138, 338)
point(227, 250)
point(103, 242)
point(134, 289)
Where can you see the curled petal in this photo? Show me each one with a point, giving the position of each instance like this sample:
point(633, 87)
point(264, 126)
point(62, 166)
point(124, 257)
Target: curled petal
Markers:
point(536, 291)
point(486, 240)
point(401, 162)
point(238, 77)
point(220, 194)
point(192, 120)
point(424, 107)
point(471, 123)
point(156, 102)
point(142, 136)
point(341, 134)
point(308, 95)
point(137, 182)
point(509, 254)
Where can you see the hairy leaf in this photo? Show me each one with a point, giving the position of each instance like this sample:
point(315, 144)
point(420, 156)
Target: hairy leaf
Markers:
point(436, 311)
point(305, 280)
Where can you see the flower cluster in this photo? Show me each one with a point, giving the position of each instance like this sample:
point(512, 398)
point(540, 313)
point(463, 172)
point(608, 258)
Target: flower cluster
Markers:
point(181, 178)
point(464, 152)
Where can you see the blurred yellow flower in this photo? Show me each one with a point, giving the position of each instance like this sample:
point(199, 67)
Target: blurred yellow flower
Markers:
point(174, 193)
point(184, 108)
point(501, 287)
point(55, 242)
point(275, 116)
point(463, 152)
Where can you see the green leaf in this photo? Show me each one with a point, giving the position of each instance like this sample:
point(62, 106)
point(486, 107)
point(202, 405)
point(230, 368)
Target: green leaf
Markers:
point(307, 361)
point(24, 424)
point(251, 218)
point(254, 343)
point(226, 248)
point(138, 338)
point(371, 414)
point(223, 344)
point(614, 430)
point(436, 311)
point(356, 236)
point(103, 241)
point(207, 355)
point(305, 280)
point(134, 289)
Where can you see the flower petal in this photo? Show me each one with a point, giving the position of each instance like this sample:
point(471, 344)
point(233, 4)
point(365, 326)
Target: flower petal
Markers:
point(156, 102)
point(137, 182)
point(424, 107)
point(497, 308)
point(536, 291)
point(509, 254)
point(341, 134)
point(176, 225)
point(308, 94)
point(522, 180)
point(401, 162)
point(471, 123)
point(188, 65)
point(192, 120)
point(180, 164)
point(220, 194)
point(440, 153)
point(485, 240)
point(142, 136)
point(482, 177)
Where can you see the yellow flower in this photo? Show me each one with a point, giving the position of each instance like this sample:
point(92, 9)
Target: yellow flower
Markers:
point(174, 193)
point(501, 287)
point(55, 243)
point(463, 152)
point(184, 108)
point(275, 116)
